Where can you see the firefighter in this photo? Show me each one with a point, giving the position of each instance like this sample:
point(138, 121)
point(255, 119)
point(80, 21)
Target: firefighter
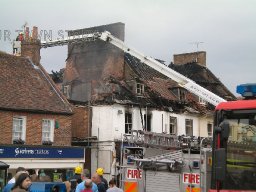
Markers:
point(76, 179)
point(100, 172)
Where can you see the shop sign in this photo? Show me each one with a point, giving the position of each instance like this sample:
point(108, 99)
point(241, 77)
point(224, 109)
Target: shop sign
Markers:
point(41, 152)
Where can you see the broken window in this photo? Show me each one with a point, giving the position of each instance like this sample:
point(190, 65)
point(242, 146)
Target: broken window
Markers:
point(128, 122)
point(209, 129)
point(180, 93)
point(189, 127)
point(173, 125)
point(147, 120)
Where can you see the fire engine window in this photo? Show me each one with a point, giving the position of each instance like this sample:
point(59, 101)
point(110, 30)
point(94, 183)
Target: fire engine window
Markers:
point(189, 127)
point(241, 150)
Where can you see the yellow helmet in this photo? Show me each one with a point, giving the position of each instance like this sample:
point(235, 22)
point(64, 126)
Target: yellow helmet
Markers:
point(100, 171)
point(78, 170)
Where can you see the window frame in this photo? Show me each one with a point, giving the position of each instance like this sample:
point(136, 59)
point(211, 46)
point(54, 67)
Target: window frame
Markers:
point(173, 125)
point(147, 122)
point(180, 93)
point(23, 131)
point(211, 132)
point(66, 90)
point(128, 125)
point(51, 132)
point(139, 90)
point(189, 125)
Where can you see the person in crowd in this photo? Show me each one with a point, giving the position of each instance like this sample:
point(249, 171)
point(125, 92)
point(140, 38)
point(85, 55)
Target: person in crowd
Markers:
point(17, 170)
point(88, 185)
point(76, 179)
point(8, 187)
point(97, 180)
point(100, 172)
point(45, 178)
point(34, 178)
point(81, 186)
point(68, 185)
point(22, 183)
point(113, 187)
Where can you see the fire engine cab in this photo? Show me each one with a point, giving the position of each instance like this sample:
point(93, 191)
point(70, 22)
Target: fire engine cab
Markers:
point(234, 143)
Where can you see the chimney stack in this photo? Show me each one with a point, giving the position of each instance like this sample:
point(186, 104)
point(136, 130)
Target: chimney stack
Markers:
point(196, 57)
point(30, 46)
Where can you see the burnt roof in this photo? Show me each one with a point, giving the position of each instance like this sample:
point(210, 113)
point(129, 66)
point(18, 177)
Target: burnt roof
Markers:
point(27, 87)
point(205, 78)
point(159, 86)
point(196, 72)
point(144, 71)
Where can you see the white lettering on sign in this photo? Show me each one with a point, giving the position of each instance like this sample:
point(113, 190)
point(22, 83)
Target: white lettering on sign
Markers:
point(191, 178)
point(134, 174)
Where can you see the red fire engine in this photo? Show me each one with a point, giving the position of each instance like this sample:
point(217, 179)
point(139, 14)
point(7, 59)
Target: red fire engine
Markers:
point(234, 143)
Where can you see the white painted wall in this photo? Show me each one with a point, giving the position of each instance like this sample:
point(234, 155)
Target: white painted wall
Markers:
point(203, 125)
point(108, 124)
point(161, 120)
point(110, 121)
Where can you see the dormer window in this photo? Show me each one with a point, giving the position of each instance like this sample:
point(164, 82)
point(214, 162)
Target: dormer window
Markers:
point(139, 89)
point(180, 93)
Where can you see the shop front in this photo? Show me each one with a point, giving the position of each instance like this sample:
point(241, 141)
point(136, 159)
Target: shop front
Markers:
point(57, 162)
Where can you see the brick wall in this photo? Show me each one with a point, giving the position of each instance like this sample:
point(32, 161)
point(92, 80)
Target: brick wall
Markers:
point(62, 135)
point(30, 46)
point(81, 122)
point(31, 49)
point(199, 57)
point(93, 62)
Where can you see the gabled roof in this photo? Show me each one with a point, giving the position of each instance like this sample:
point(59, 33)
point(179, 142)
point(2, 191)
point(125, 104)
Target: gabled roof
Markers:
point(27, 87)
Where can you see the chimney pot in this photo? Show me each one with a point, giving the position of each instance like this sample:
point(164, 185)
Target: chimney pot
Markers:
point(35, 33)
point(27, 33)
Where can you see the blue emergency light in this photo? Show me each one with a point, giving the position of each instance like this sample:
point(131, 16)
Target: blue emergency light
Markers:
point(247, 90)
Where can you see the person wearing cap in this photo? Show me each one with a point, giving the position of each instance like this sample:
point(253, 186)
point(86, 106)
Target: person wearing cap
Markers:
point(76, 179)
point(100, 172)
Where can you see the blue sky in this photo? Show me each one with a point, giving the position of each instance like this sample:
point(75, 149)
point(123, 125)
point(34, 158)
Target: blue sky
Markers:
point(157, 28)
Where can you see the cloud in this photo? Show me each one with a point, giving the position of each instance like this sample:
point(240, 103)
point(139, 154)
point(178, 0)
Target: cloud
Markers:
point(156, 28)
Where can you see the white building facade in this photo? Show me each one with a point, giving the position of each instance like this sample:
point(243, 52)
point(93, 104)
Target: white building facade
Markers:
point(109, 124)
